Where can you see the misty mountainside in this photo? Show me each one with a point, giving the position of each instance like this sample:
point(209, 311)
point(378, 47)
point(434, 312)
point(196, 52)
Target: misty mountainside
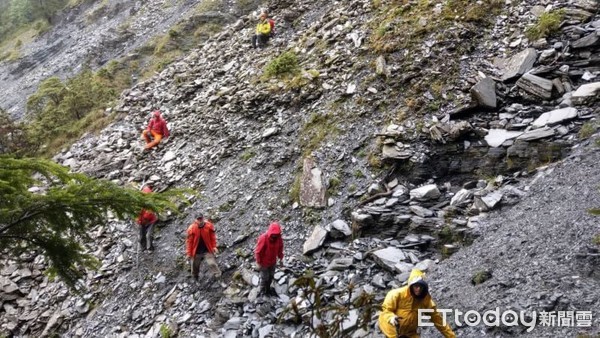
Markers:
point(456, 137)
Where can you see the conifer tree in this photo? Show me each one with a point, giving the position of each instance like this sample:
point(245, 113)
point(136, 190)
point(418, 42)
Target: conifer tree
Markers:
point(57, 219)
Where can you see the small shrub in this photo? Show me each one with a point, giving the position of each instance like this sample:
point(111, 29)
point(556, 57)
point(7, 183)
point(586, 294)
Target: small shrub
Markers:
point(481, 276)
point(359, 174)
point(227, 206)
point(446, 234)
point(284, 64)
point(173, 33)
point(295, 188)
point(302, 79)
point(587, 130)
point(334, 184)
point(242, 253)
point(165, 331)
point(374, 160)
point(596, 239)
point(248, 154)
point(548, 23)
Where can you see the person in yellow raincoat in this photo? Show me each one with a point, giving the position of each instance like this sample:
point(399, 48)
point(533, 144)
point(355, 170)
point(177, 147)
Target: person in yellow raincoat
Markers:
point(263, 32)
point(401, 307)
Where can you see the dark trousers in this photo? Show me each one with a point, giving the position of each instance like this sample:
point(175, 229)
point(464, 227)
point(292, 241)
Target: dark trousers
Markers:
point(210, 260)
point(146, 233)
point(267, 275)
point(260, 40)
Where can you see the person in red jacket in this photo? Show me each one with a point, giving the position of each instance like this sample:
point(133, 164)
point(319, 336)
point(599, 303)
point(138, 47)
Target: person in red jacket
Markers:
point(202, 245)
point(146, 221)
point(269, 247)
point(156, 130)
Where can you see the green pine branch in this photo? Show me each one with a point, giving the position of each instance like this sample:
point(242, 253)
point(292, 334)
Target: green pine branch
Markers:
point(57, 219)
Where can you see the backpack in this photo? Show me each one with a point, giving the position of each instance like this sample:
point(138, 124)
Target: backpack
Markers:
point(272, 24)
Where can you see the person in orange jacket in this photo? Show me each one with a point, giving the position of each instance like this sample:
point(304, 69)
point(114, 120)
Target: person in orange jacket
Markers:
point(146, 221)
point(156, 130)
point(400, 310)
point(202, 245)
point(268, 248)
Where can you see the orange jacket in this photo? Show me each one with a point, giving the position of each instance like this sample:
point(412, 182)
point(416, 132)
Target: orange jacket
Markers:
point(146, 217)
point(206, 234)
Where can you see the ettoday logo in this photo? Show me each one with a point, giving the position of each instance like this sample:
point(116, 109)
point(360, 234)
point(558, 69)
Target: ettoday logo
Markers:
point(498, 318)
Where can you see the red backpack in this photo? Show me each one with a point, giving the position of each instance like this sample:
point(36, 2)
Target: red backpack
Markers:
point(272, 24)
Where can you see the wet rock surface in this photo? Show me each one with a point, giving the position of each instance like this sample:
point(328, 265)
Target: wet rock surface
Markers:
point(244, 145)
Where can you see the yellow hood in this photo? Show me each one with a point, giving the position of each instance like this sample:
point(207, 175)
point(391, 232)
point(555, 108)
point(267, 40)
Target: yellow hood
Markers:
point(415, 276)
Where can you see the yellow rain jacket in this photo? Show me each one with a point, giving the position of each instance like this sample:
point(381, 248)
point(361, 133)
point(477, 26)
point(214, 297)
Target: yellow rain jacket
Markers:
point(400, 302)
point(263, 27)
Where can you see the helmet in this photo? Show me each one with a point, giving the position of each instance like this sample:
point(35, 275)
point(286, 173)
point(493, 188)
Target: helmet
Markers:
point(146, 189)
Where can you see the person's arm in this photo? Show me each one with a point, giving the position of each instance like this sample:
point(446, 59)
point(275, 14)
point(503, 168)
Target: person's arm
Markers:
point(438, 321)
point(260, 244)
point(190, 244)
point(213, 238)
point(150, 125)
point(388, 308)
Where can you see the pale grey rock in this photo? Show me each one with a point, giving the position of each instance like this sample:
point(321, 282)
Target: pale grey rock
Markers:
point(387, 258)
point(316, 240)
point(519, 64)
point(425, 192)
point(554, 117)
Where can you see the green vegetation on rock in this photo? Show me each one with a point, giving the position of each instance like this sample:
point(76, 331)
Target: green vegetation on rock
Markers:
point(548, 23)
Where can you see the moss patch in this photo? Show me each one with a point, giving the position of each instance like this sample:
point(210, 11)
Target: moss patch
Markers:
point(548, 23)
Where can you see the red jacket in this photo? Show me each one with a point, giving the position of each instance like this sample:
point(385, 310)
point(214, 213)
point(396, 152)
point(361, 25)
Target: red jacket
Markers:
point(206, 234)
point(159, 125)
point(146, 217)
point(267, 250)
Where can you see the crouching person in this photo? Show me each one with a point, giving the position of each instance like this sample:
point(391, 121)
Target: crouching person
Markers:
point(263, 32)
point(400, 310)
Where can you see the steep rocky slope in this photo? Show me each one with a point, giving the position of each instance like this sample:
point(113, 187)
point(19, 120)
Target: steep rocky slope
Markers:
point(540, 253)
point(343, 148)
point(92, 34)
